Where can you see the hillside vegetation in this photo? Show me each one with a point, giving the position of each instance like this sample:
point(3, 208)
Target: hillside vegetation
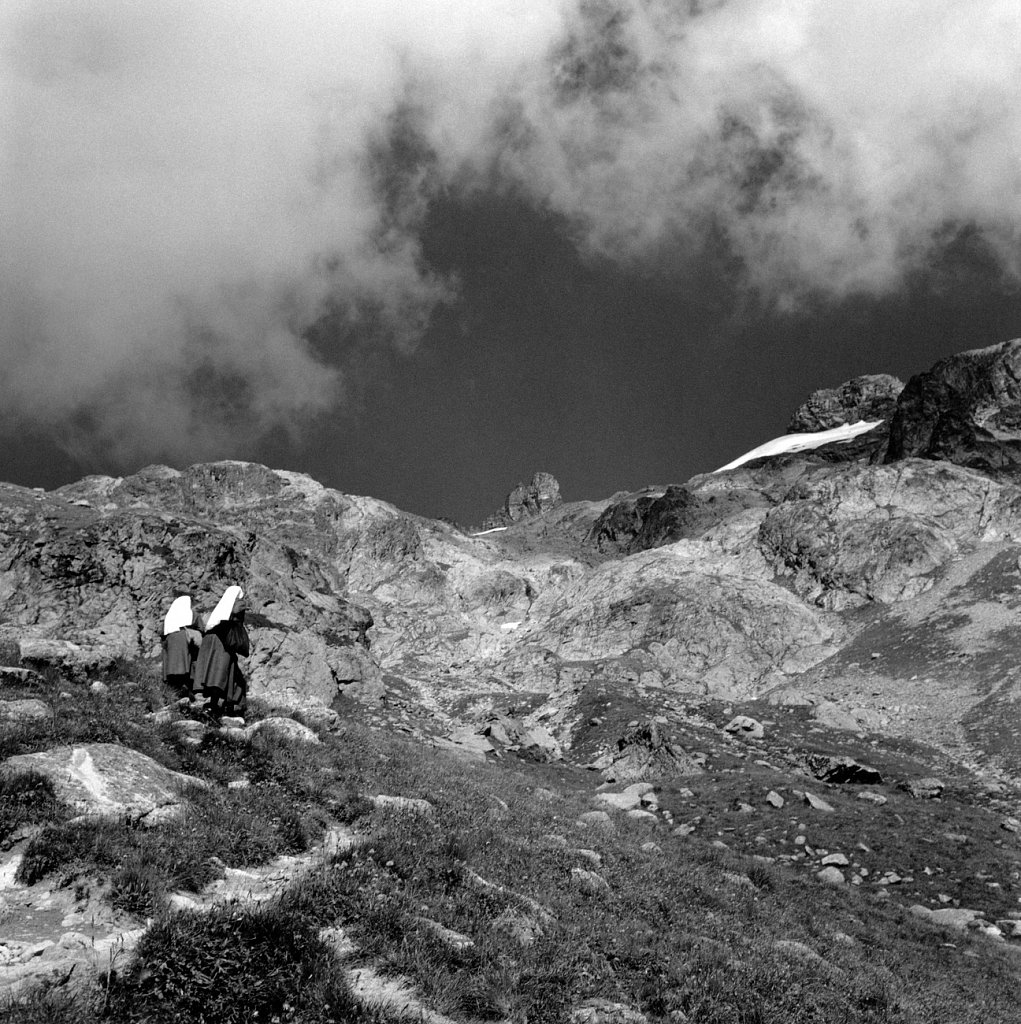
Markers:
point(497, 899)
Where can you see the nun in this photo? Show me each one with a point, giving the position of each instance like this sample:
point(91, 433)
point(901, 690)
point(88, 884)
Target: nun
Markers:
point(181, 641)
point(217, 673)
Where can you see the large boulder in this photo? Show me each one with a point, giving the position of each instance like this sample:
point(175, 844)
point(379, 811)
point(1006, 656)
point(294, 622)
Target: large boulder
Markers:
point(966, 410)
point(109, 780)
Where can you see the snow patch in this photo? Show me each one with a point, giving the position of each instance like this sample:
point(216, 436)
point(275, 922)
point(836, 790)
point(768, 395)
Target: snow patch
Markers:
point(803, 442)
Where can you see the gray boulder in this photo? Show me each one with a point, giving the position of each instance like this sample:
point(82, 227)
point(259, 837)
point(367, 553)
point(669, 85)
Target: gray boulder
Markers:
point(109, 780)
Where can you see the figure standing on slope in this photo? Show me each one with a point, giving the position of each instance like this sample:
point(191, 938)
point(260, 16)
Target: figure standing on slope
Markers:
point(181, 641)
point(217, 673)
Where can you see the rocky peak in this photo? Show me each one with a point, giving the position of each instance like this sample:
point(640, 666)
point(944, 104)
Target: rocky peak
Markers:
point(869, 397)
point(966, 410)
point(539, 496)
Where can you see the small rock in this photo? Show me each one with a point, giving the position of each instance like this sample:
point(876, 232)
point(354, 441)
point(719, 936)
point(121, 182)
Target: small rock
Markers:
point(876, 798)
point(774, 799)
point(99, 688)
point(591, 856)
point(595, 819)
point(403, 804)
point(1010, 825)
point(683, 830)
point(286, 729)
point(651, 847)
point(836, 860)
point(588, 882)
point(744, 726)
point(817, 803)
point(831, 876)
point(31, 710)
point(640, 815)
point(923, 789)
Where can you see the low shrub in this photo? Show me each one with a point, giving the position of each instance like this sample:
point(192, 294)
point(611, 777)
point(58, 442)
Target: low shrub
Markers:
point(26, 798)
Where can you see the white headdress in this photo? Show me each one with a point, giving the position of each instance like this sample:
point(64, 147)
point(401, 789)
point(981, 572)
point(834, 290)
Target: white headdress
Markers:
point(224, 607)
point(180, 614)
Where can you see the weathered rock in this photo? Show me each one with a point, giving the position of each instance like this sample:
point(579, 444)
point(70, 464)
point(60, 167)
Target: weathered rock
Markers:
point(86, 572)
point(643, 752)
point(638, 522)
point(870, 397)
point(536, 740)
point(817, 803)
point(923, 789)
point(108, 780)
point(283, 729)
point(627, 799)
point(842, 769)
point(966, 410)
point(959, 918)
point(688, 613)
point(539, 496)
point(75, 661)
point(831, 876)
point(878, 533)
point(404, 804)
point(833, 716)
point(595, 819)
point(30, 710)
point(774, 799)
point(744, 726)
point(588, 882)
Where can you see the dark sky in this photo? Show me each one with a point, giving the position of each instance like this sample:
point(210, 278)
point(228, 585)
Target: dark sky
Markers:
point(609, 380)
point(421, 251)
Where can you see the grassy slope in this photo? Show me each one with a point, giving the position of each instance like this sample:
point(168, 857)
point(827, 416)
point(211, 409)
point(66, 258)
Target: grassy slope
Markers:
point(682, 930)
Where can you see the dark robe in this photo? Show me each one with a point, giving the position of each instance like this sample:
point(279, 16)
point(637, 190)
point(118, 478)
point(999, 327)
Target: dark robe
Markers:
point(180, 649)
point(217, 673)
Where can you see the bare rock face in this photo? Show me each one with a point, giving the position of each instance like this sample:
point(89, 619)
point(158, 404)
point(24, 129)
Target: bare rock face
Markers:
point(879, 533)
point(87, 572)
point(109, 780)
point(966, 410)
point(638, 522)
point(687, 616)
point(870, 397)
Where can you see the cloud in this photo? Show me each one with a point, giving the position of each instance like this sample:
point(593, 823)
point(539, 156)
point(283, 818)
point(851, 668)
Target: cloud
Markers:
point(187, 187)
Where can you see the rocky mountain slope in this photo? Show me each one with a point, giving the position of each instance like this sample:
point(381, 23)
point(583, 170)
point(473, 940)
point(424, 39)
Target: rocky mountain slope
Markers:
point(794, 680)
point(872, 575)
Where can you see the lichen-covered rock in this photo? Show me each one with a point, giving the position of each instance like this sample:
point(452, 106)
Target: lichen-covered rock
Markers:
point(109, 780)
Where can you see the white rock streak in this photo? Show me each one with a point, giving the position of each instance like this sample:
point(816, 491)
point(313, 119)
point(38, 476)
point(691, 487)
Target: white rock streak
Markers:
point(803, 442)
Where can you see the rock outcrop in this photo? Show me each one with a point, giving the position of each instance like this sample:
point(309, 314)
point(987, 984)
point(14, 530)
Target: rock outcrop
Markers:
point(109, 780)
point(966, 410)
point(539, 496)
point(870, 397)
